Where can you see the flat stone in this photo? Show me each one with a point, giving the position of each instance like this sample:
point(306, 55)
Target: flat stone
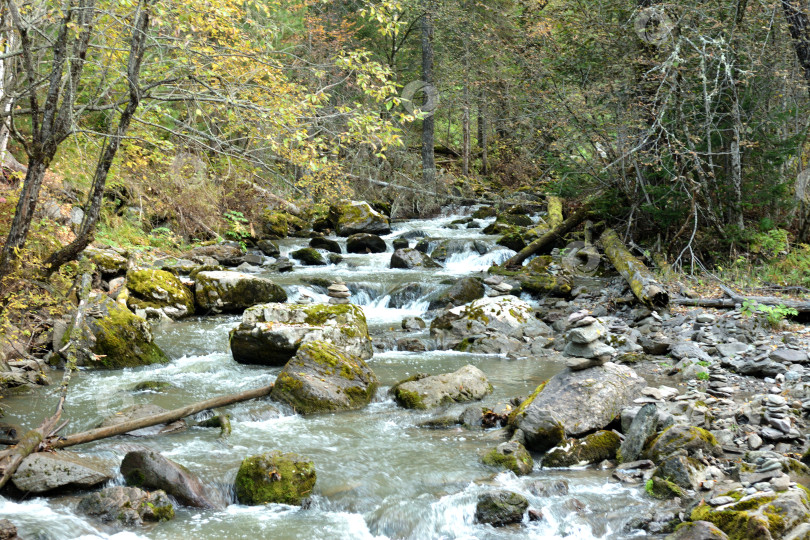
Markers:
point(50, 471)
point(578, 364)
point(586, 334)
point(730, 350)
point(720, 501)
point(594, 349)
point(789, 356)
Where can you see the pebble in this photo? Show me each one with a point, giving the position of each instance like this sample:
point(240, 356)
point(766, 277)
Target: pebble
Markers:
point(720, 501)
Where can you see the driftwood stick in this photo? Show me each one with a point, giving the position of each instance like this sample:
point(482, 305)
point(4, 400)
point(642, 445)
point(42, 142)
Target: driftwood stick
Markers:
point(163, 418)
point(548, 239)
point(642, 282)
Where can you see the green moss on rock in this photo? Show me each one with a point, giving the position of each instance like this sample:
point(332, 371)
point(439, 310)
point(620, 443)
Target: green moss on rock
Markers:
point(275, 478)
point(122, 339)
point(159, 289)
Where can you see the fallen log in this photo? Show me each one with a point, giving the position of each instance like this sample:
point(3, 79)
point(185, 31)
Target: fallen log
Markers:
point(548, 239)
point(718, 303)
point(801, 307)
point(642, 282)
point(554, 208)
point(162, 418)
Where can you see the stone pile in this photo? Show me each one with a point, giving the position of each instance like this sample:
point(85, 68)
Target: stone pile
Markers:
point(776, 415)
point(338, 293)
point(583, 342)
point(718, 384)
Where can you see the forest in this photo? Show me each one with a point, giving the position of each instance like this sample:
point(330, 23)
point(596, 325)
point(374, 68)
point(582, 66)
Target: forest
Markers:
point(205, 204)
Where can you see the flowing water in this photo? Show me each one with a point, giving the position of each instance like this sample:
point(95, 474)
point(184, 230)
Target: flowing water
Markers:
point(380, 475)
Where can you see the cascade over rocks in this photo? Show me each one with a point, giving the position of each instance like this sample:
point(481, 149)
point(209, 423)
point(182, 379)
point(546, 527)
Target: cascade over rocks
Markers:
point(355, 217)
point(427, 391)
point(271, 334)
point(324, 378)
point(222, 292)
point(582, 401)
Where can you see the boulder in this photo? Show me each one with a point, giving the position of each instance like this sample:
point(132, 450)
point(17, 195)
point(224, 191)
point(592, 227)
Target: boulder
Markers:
point(490, 344)
point(593, 448)
point(45, 472)
point(365, 243)
point(681, 470)
point(116, 337)
point(463, 291)
point(582, 401)
point(107, 261)
point(269, 248)
point(149, 470)
point(358, 217)
point(448, 247)
point(8, 531)
point(221, 292)
point(409, 258)
point(323, 378)
point(697, 530)
point(308, 257)
point(274, 478)
point(512, 456)
point(513, 239)
point(427, 391)
point(159, 289)
point(641, 429)
point(127, 505)
point(224, 254)
point(680, 437)
point(325, 244)
point(135, 412)
point(271, 334)
point(499, 508)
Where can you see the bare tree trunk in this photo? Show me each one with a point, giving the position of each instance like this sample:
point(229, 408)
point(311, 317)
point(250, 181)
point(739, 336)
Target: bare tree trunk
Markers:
point(428, 123)
point(736, 161)
point(482, 133)
point(465, 120)
point(799, 25)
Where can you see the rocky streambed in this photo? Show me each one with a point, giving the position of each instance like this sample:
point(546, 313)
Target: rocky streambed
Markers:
point(427, 400)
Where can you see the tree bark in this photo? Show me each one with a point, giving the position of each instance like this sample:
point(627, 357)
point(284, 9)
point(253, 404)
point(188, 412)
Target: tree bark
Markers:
point(482, 133)
point(548, 239)
point(428, 123)
point(799, 25)
point(642, 282)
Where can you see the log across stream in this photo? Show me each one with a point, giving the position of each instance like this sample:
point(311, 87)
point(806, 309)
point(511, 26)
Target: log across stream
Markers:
point(380, 475)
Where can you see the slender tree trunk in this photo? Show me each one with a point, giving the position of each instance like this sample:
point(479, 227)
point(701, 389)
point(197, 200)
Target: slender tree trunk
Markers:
point(482, 133)
point(798, 22)
point(9, 42)
point(736, 162)
point(24, 211)
point(428, 123)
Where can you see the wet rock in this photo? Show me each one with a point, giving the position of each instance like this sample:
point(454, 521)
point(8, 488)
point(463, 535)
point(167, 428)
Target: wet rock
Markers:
point(161, 290)
point(269, 248)
point(403, 295)
point(485, 212)
point(655, 344)
point(135, 412)
point(357, 217)
point(149, 470)
point(222, 292)
point(513, 239)
point(549, 488)
point(592, 448)
point(681, 470)
point(275, 478)
point(463, 291)
point(641, 429)
point(224, 254)
point(127, 505)
point(582, 401)
point(680, 437)
point(322, 378)
point(411, 344)
point(413, 323)
point(45, 472)
point(411, 258)
point(117, 337)
point(325, 244)
point(7, 530)
point(427, 391)
point(541, 430)
point(400, 243)
point(499, 508)
point(270, 334)
point(308, 257)
point(698, 530)
point(510, 455)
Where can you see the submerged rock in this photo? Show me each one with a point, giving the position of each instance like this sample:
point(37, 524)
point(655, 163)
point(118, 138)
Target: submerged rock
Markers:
point(358, 217)
point(427, 391)
point(234, 291)
point(592, 448)
point(270, 334)
point(275, 478)
point(117, 337)
point(582, 401)
point(128, 505)
point(150, 470)
point(324, 378)
point(410, 258)
point(500, 508)
point(45, 472)
point(161, 290)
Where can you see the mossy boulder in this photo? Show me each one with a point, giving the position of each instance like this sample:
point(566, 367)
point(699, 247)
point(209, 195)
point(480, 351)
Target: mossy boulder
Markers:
point(519, 220)
point(513, 240)
point(354, 217)
point(463, 291)
point(582, 401)
point(323, 378)
point(592, 448)
point(409, 258)
point(760, 516)
point(427, 391)
point(683, 471)
point(679, 437)
point(116, 337)
point(275, 478)
point(308, 257)
point(127, 505)
point(500, 508)
point(325, 244)
point(511, 456)
point(268, 247)
point(158, 289)
point(109, 263)
point(485, 212)
point(271, 334)
point(697, 530)
point(661, 488)
point(275, 224)
point(228, 292)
